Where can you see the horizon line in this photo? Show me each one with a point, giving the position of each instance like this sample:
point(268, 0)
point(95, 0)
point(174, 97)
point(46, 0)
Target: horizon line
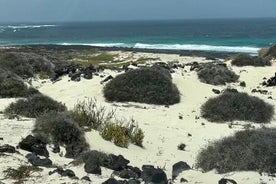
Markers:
point(135, 20)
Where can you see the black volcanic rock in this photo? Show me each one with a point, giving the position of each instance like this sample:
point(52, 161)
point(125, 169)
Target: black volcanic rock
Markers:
point(178, 168)
point(153, 175)
point(7, 149)
point(35, 145)
point(37, 161)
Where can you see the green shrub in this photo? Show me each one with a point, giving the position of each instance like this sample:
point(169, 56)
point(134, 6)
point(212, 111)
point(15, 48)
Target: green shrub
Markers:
point(10, 88)
point(34, 106)
point(216, 74)
point(145, 85)
point(271, 51)
point(25, 65)
point(59, 128)
point(231, 106)
point(122, 135)
point(249, 150)
point(43, 75)
point(117, 134)
point(90, 115)
point(263, 52)
point(246, 60)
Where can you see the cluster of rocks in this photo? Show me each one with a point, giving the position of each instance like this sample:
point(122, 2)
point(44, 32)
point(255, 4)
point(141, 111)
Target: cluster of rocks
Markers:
point(39, 156)
point(270, 82)
point(75, 72)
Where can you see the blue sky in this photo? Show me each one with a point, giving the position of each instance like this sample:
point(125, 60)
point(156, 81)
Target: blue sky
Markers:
point(110, 10)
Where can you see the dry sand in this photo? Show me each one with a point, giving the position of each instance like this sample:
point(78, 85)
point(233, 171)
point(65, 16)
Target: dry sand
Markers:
point(163, 128)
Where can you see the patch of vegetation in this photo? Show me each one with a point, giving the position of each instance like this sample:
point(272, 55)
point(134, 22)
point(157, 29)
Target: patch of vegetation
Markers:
point(20, 174)
point(25, 65)
point(59, 128)
point(43, 75)
point(246, 60)
point(263, 52)
point(34, 106)
point(145, 85)
point(10, 88)
point(216, 74)
point(231, 106)
point(123, 135)
point(94, 59)
point(271, 52)
point(249, 150)
point(89, 115)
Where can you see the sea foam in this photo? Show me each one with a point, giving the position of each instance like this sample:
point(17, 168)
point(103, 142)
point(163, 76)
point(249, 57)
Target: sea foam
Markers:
point(243, 49)
point(25, 26)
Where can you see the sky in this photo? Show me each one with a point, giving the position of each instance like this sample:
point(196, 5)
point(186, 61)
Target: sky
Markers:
point(114, 10)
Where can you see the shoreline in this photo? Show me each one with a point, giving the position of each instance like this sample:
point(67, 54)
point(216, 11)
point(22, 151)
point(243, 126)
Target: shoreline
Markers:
point(195, 53)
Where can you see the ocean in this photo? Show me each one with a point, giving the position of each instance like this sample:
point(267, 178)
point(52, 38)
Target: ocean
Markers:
point(222, 35)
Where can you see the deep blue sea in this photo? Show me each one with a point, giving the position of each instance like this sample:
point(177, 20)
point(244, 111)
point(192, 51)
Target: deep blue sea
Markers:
point(228, 35)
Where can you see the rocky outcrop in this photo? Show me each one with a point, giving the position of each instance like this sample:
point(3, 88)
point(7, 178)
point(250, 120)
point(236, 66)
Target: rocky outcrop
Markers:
point(37, 161)
point(35, 145)
point(153, 175)
point(7, 149)
point(178, 168)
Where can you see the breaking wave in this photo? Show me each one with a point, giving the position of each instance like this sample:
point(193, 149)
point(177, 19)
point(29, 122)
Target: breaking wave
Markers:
point(243, 49)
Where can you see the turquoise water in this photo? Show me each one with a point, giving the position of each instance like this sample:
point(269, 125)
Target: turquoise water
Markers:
point(229, 35)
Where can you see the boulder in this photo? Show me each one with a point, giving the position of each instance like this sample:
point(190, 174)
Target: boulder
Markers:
point(7, 149)
point(216, 91)
point(111, 181)
point(227, 181)
point(271, 81)
point(126, 174)
point(76, 77)
point(66, 173)
point(92, 168)
point(117, 163)
point(86, 178)
point(37, 161)
point(35, 145)
point(108, 78)
point(242, 84)
point(153, 175)
point(178, 168)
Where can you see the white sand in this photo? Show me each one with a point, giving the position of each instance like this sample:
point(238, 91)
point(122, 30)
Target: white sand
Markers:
point(163, 129)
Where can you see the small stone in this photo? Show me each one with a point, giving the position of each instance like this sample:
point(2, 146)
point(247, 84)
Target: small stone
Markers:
point(182, 180)
point(190, 135)
point(86, 178)
point(181, 146)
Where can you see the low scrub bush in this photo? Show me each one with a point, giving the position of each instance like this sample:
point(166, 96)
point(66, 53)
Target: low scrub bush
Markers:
point(89, 115)
point(271, 52)
point(34, 106)
point(231, 106)
point(145, 85)
point(61, 129)
point(25, 65)
point(249, 150)
point(10, 88)
point(246, 60)
point(122, 134)
point(216, 74)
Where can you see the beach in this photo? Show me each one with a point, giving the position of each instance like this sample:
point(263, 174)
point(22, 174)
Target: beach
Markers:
point(164, 127)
